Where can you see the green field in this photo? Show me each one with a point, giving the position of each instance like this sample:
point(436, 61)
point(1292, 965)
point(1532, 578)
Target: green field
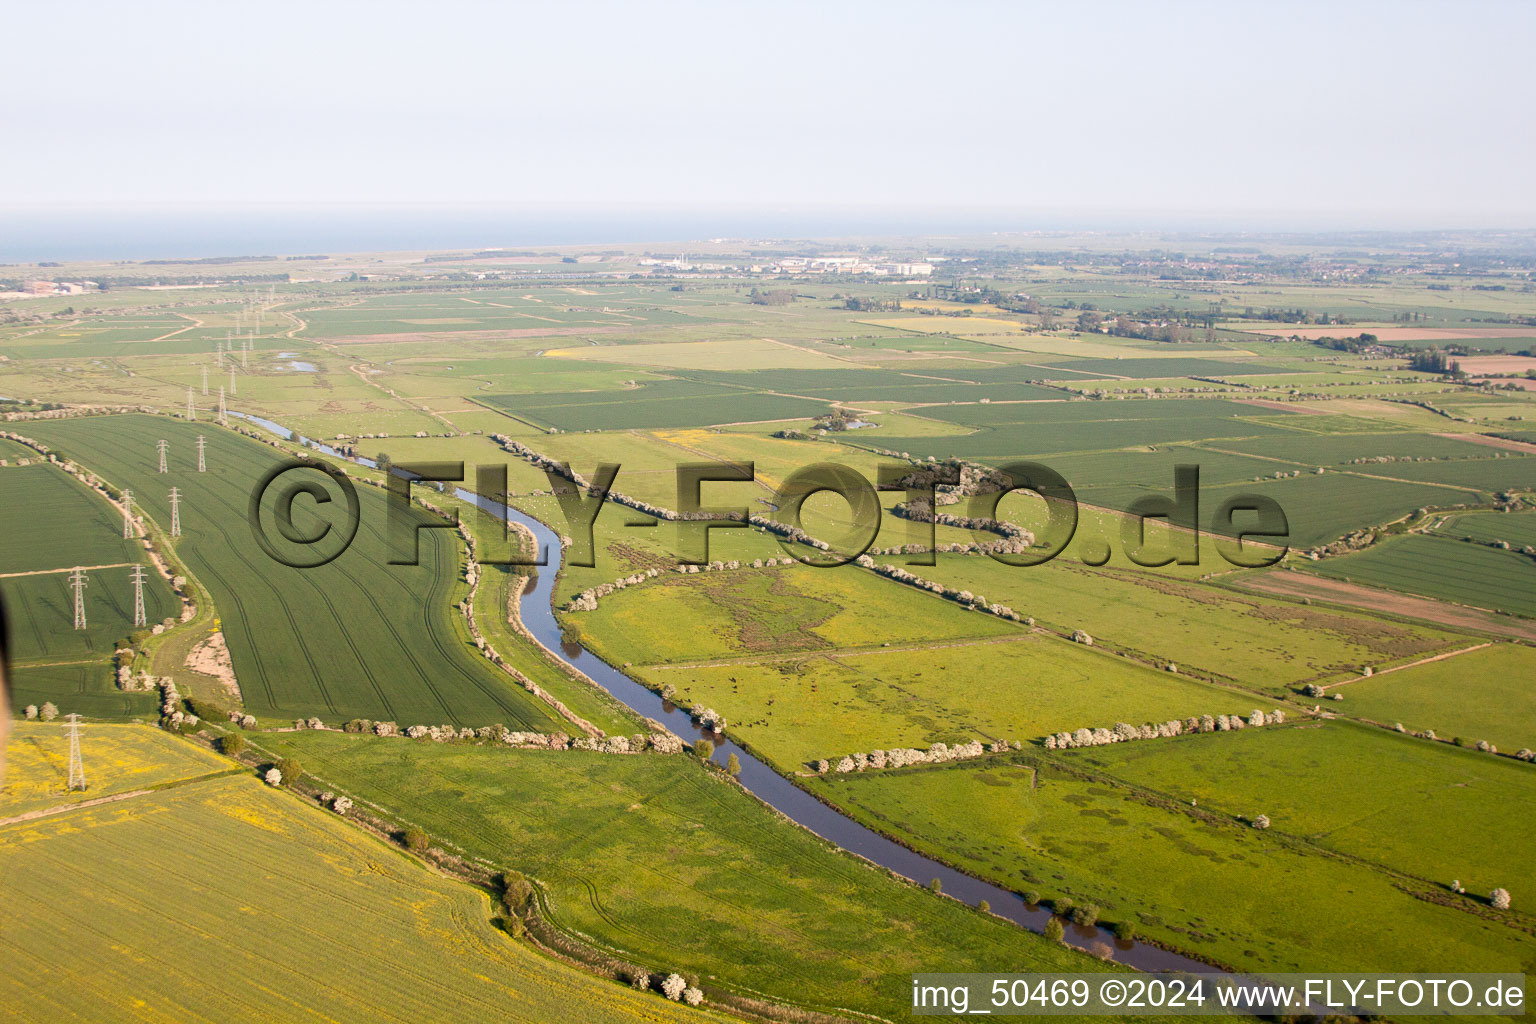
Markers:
point(52, 521)
point(669, 403)
point(1244, 639)
point(355, 638)
point(659, 862)
point(1518, 529)
point(222, 898)
point(794, 710)
point(1197, 878)
point(1484, 694)
point(1438, 567)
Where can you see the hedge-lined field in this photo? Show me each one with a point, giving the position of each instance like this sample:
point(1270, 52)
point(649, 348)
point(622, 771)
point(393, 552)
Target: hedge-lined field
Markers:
point(355, 638)
point(1480, 695)
point(1200, 877)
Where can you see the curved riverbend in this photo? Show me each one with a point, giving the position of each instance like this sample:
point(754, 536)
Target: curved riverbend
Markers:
point(538, 616)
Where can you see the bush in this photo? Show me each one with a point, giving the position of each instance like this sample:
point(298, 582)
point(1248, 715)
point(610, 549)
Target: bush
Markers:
point(516, 892)
point(1062, 905)
point(206, 709)
point(733, 765)
point(704, 749)
point(1031, 897)
point(935, 886)
point(291, 769)
point(984, 907)
point(1086, 915)
point(232, 745)
point(358, 725)
point(1053, 929)
point(1125, 931)
point(415, 839)
point(49, 712)
point(1499, 899)
point(673, 986)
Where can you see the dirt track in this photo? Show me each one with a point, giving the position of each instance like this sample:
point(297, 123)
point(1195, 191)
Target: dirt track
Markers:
point(1299, 584)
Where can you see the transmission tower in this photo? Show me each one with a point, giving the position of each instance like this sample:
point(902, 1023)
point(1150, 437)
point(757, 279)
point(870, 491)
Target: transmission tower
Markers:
point(175, 512)
point(191, 408)
point(205, 382)
point(245, 354)
point(223, 416)
point(76, 765)
point(127, 514)
point(77, 583)
point(139, 618)
point(162, 446)
point(233, 388)
point(202, 463)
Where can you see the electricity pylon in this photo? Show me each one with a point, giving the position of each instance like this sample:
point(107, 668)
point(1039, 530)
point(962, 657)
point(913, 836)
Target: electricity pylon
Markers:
point(127, 515)
point(77, 583)
point(202, 464)
point(205, 382)
point(162, 446)
point(139, 618)
point(223, 416)
point(233, 387)
point(191, 408)
point(175, 512)
point(76, 765)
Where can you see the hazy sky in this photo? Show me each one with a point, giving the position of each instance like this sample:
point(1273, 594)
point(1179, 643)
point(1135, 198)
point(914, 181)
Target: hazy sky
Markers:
point(1389, 114)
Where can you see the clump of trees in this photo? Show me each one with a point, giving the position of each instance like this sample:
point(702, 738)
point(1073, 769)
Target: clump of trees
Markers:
point(232, 745)
point(1124, 732)
point(290, 769)
point(415, 839)
point(1054, 930)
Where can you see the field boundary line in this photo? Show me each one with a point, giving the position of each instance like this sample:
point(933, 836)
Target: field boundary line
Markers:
point(53, 572)
point(1398, 668)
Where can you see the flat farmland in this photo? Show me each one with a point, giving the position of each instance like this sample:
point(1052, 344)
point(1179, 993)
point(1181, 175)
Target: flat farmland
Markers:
point(652, 405)
point(795, 710)
point(1443, 569)
point(1174, 367)
point(52, 521)
point(1484, 694)
point(667, 866)
point(1517, 529)
point(1388, 799)
point(1200, 880)
point(675, 618)
point(355, 638)
point(118, 759)
point(1249, 640)
point(376, 934)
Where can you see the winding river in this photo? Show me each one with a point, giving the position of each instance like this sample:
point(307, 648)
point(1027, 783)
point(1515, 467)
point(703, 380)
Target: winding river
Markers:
point(768, 785)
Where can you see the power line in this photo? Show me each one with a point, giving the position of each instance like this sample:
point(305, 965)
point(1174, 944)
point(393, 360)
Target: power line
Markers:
point(76, 765)
point(139, 618)
point(78, 583)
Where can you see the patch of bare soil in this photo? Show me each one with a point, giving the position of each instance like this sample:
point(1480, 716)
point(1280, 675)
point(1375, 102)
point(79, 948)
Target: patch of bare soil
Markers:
point(211, 658)
point(1300, 584)
point(1493, 442)
point(1286, 406)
